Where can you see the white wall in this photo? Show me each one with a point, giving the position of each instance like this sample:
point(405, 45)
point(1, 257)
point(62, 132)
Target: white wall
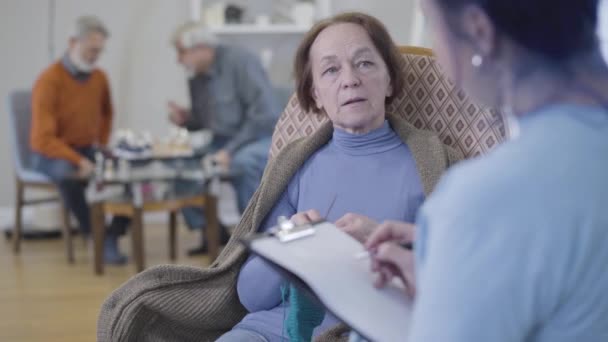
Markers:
point(21, 58)
point(397, 16)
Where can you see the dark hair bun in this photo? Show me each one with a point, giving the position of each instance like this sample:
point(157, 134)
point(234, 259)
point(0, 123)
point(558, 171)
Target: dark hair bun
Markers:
point(555, 29)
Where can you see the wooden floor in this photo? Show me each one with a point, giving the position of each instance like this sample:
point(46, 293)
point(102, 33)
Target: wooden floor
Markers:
point(43, 298)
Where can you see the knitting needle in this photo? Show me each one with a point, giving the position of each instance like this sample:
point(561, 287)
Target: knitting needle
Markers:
point(331, 205)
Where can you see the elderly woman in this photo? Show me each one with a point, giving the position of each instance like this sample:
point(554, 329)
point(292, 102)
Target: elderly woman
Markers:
point(346, 68)
point(512, 246)
point(364, 161)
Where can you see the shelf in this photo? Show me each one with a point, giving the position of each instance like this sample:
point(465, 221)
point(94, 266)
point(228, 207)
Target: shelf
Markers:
point(259, 29)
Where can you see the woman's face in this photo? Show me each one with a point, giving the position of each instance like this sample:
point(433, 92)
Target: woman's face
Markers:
point(456, 43)
point(350, 79)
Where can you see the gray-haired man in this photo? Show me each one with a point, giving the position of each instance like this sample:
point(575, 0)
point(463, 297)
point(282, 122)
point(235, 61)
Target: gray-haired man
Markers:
point(232, 96)
point(71, 116)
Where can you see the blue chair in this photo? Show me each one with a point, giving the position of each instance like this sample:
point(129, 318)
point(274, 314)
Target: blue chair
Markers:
point(20, 109)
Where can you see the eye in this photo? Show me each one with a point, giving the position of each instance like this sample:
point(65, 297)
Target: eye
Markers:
point(365, 64)
point(330, 70)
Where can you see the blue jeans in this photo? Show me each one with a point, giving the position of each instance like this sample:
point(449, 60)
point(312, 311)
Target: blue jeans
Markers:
point(72, 190)
point(247, 166)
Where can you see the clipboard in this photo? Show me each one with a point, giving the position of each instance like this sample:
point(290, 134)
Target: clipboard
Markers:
point(320, 259)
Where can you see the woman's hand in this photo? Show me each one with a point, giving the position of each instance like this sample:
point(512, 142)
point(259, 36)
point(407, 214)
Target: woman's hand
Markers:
point(358, 226)
point(306, 217)
point(389, 258)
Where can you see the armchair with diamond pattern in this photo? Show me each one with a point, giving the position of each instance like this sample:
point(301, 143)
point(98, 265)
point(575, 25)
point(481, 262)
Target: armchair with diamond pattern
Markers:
point(429, 101)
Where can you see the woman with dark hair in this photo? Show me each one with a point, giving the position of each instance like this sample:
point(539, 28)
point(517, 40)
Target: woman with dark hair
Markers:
point(512, 246)
point(364, 161)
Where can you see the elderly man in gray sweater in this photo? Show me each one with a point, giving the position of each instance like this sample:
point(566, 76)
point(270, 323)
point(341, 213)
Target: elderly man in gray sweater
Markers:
point(232, 96)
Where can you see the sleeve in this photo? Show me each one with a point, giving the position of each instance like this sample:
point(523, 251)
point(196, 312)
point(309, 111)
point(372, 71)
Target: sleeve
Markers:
point(473, 284)
point(107, 114)
point(258, 284)
point(193, 123)
point(44, 131)
point(258, 98)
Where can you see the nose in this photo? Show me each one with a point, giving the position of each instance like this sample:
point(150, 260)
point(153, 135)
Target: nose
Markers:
point(350, 78)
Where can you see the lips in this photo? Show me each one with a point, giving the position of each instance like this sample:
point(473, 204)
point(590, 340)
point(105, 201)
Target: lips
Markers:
point(353, 100)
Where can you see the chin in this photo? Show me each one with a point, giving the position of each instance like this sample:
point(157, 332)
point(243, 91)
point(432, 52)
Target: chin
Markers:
point(357, 120)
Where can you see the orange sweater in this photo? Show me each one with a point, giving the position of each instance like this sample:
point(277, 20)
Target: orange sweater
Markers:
point(67, 113)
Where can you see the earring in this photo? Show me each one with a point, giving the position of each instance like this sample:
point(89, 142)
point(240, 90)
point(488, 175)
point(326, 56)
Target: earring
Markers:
point(477, 60)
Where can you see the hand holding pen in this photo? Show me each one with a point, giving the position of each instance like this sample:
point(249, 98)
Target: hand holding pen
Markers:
point(390, 248)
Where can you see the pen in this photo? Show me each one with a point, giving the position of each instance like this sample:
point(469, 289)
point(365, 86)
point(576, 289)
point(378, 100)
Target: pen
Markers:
point(366, 254)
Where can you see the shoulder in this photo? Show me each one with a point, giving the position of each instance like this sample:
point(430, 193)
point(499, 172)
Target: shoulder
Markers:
point(295, 153)
point(241, 60)
point(432, 157)
point(433, 143)
point(426, 142)
point(304, 147)
point(101, 75)
point(553, 152)
point(52, 74)
point(479, 203)
point(530, 196)
point(518, 181)
point(483, 180)
point(236, 53)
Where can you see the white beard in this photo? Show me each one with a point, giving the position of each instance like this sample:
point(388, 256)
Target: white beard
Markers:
point(190, 73)
point(79, 63)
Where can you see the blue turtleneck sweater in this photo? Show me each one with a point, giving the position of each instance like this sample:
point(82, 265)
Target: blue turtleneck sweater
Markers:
point(372, 174)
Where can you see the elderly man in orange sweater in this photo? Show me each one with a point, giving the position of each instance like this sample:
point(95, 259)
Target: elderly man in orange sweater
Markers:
point(71, 116)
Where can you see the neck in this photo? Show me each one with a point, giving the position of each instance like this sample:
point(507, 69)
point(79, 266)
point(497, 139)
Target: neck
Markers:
point(533, 85)
point(375, 141)
point(358, 130)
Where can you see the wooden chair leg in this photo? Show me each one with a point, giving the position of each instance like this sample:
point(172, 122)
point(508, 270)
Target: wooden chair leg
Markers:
point(67, 234)
point(137, 237)
point(172, 235)
point(18, 216)
point(213, 226)
point(99, 234)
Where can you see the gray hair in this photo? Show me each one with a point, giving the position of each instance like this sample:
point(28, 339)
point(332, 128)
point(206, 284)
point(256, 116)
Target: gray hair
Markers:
point(192, 34)
point(88, 24)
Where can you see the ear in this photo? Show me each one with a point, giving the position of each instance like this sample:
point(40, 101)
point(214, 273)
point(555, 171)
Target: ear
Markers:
point(315, 96)
point(478, 27)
